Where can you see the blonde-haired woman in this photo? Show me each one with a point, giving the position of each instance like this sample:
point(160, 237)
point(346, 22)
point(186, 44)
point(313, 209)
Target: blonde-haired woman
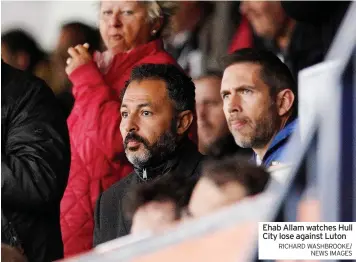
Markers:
point(131, 31)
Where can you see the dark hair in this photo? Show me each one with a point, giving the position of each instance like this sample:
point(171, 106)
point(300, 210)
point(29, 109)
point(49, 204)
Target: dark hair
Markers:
point(180, 87)
point(168, 188)
point(237, 169)
point(19, 40)
point(84, 34)
point(274, 73)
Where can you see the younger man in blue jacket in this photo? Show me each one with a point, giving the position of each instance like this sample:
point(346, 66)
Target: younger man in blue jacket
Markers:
point(259, 98)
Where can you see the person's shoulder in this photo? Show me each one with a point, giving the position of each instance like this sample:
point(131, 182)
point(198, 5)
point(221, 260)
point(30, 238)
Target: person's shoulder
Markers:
point(18, 84)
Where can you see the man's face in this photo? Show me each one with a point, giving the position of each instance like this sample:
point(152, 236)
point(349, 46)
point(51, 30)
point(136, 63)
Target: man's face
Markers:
point(124, 25)
point(207, 197)
point(148, 122)
point(209, 107)
point(250, 111)
point(154, 217)
point(266, 17)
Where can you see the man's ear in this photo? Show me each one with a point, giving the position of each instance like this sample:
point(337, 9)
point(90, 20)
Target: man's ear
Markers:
point(184, 121)
point(285, 100)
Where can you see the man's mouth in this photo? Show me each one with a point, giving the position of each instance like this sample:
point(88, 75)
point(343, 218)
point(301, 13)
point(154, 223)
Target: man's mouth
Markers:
point(238, 124)
point(133, 143)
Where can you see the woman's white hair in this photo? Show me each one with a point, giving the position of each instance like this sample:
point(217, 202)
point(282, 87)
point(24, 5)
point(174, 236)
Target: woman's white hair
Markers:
point(161, 10)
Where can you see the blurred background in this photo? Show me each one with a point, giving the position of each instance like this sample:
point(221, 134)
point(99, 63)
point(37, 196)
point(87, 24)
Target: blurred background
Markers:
point(42, 19)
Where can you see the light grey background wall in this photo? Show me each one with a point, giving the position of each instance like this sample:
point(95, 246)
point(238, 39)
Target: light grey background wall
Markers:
point(44, 18)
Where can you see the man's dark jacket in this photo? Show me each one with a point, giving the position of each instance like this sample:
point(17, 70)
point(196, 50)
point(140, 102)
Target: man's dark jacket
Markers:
point(110, 220)
point(35, 160)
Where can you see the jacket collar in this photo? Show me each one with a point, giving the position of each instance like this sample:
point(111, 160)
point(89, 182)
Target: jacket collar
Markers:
point(281, 137)
point(283, 134)
point(186, 148)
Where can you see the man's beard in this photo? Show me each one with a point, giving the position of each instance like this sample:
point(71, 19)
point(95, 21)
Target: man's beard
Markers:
point(150, 155)
point(262, 133)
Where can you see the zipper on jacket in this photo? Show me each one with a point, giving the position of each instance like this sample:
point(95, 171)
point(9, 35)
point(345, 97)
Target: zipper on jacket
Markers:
point(144, 174)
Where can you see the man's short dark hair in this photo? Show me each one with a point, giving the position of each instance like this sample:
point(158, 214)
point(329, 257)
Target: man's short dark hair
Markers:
point(237, 169)
point(174, 188)
point(180, 87)
point(274, 73)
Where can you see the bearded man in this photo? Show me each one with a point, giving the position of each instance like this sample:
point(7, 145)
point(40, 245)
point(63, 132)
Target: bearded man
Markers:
point(157, 112)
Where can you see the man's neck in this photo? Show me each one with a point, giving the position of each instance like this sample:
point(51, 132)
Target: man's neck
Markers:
point(261, 151)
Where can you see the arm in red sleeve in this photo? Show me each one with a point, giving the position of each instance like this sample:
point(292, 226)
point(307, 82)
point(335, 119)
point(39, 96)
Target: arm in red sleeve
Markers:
point(98, 109)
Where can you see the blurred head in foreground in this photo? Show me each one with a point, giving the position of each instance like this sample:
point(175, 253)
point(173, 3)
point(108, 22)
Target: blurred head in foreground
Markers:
point(225, 182)
point(157, 206)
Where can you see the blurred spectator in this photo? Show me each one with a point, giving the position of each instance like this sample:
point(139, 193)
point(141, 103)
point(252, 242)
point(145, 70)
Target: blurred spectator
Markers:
point(202, 34)
point(20, 50)
point(258, 93)
point(71, 34)
point(209, 107)
point(157, 206)
point(243, 37)
point(35, 163)
point(214, 136)
point(131, 31)
point(184, 44)
point(297, 45)
point(157, 112)
point(326, 16)
point(225, 182)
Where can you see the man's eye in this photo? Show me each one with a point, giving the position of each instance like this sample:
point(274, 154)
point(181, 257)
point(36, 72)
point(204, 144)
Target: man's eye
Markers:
point(224, 96)
point(124, 114)
point(146, 113)
point(246, 91)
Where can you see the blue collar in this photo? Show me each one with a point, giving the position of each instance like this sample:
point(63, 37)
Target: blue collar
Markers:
point(279, 140)
point(283, 134)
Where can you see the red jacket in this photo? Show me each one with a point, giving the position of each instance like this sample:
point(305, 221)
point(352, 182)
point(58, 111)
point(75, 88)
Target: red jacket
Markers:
point(243, 37)
point(97, 154)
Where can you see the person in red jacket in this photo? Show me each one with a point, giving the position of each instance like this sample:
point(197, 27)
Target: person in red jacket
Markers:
point(131, 31)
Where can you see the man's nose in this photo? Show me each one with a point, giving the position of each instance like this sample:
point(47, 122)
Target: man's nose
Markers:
point(130, 124)
point(234, 104)
point(201, 111)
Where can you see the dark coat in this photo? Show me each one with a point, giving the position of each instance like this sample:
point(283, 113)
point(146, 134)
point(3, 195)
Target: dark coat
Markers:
point(110, 220)
point(35, 160)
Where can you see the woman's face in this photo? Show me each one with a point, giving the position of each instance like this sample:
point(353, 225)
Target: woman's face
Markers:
point(124, 25)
